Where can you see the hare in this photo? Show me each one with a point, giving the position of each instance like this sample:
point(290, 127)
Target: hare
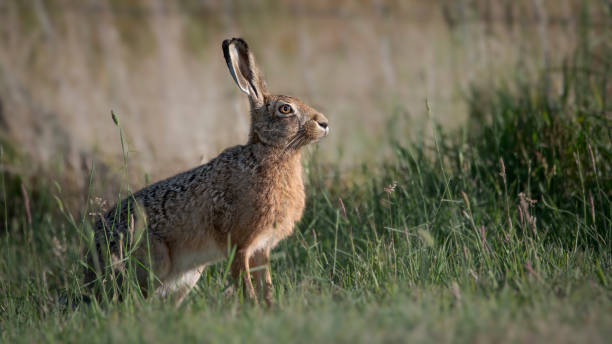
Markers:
point(249, 197)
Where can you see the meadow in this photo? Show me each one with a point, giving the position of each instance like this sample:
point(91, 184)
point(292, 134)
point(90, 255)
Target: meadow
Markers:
point(497, 229)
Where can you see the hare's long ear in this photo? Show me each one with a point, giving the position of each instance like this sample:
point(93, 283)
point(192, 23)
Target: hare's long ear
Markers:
point(243, 69)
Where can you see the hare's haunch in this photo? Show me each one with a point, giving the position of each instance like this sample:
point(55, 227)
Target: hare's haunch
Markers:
point(247, 199)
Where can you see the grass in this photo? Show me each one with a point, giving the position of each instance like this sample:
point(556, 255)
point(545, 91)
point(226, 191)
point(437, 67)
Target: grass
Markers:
point(500, 232)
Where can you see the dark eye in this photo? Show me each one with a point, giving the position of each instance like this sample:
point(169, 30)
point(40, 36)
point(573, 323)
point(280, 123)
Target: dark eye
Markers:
point(285, 109)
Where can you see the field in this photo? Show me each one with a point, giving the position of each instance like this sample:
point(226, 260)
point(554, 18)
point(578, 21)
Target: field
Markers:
point(494, 228)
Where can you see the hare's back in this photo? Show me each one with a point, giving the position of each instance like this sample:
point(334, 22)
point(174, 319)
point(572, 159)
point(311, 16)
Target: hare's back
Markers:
point(178, 201)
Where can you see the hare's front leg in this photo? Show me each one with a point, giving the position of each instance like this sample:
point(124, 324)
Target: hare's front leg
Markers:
point(263, 280)
point(240, 269)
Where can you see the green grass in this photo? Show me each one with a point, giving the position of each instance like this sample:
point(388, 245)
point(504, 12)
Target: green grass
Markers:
point(500, 232)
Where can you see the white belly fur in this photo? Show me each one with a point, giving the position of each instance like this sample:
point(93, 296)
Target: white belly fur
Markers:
point(264, 241)
point(187, 266)
point(183, 283)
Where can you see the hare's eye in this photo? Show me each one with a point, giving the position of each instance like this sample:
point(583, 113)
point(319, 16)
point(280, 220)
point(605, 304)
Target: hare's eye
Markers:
point(285, 109)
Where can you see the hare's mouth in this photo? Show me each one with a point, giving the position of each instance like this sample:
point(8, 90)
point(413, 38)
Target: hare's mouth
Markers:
point(318, 131)
point(307, 134)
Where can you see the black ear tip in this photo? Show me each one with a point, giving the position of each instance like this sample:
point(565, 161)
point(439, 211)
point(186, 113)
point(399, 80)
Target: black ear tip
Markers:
point(225, 44)
point(225, 48)
point(241, 43)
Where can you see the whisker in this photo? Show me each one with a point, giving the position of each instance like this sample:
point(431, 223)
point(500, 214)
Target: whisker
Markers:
point(293, 140)
point(299, 142)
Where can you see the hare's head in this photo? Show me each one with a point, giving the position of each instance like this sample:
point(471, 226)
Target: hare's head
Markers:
point(276, 120)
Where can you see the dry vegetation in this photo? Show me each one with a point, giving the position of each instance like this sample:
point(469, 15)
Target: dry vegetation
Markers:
point(65, 64)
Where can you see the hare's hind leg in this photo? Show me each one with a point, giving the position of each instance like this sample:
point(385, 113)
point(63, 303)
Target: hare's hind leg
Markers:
point(240, 270)
point(260, 261)
point(154, 263)
point(178, 289)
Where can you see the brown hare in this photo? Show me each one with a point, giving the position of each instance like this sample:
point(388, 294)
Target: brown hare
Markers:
point(247, 198)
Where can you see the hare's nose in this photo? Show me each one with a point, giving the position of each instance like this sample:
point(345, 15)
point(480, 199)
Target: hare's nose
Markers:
point(323, 124)
point(321, 120)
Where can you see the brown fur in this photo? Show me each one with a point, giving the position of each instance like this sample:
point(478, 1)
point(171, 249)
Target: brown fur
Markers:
point(248, 198)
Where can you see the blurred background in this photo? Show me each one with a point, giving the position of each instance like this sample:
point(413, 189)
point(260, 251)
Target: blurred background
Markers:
point(370, 66)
